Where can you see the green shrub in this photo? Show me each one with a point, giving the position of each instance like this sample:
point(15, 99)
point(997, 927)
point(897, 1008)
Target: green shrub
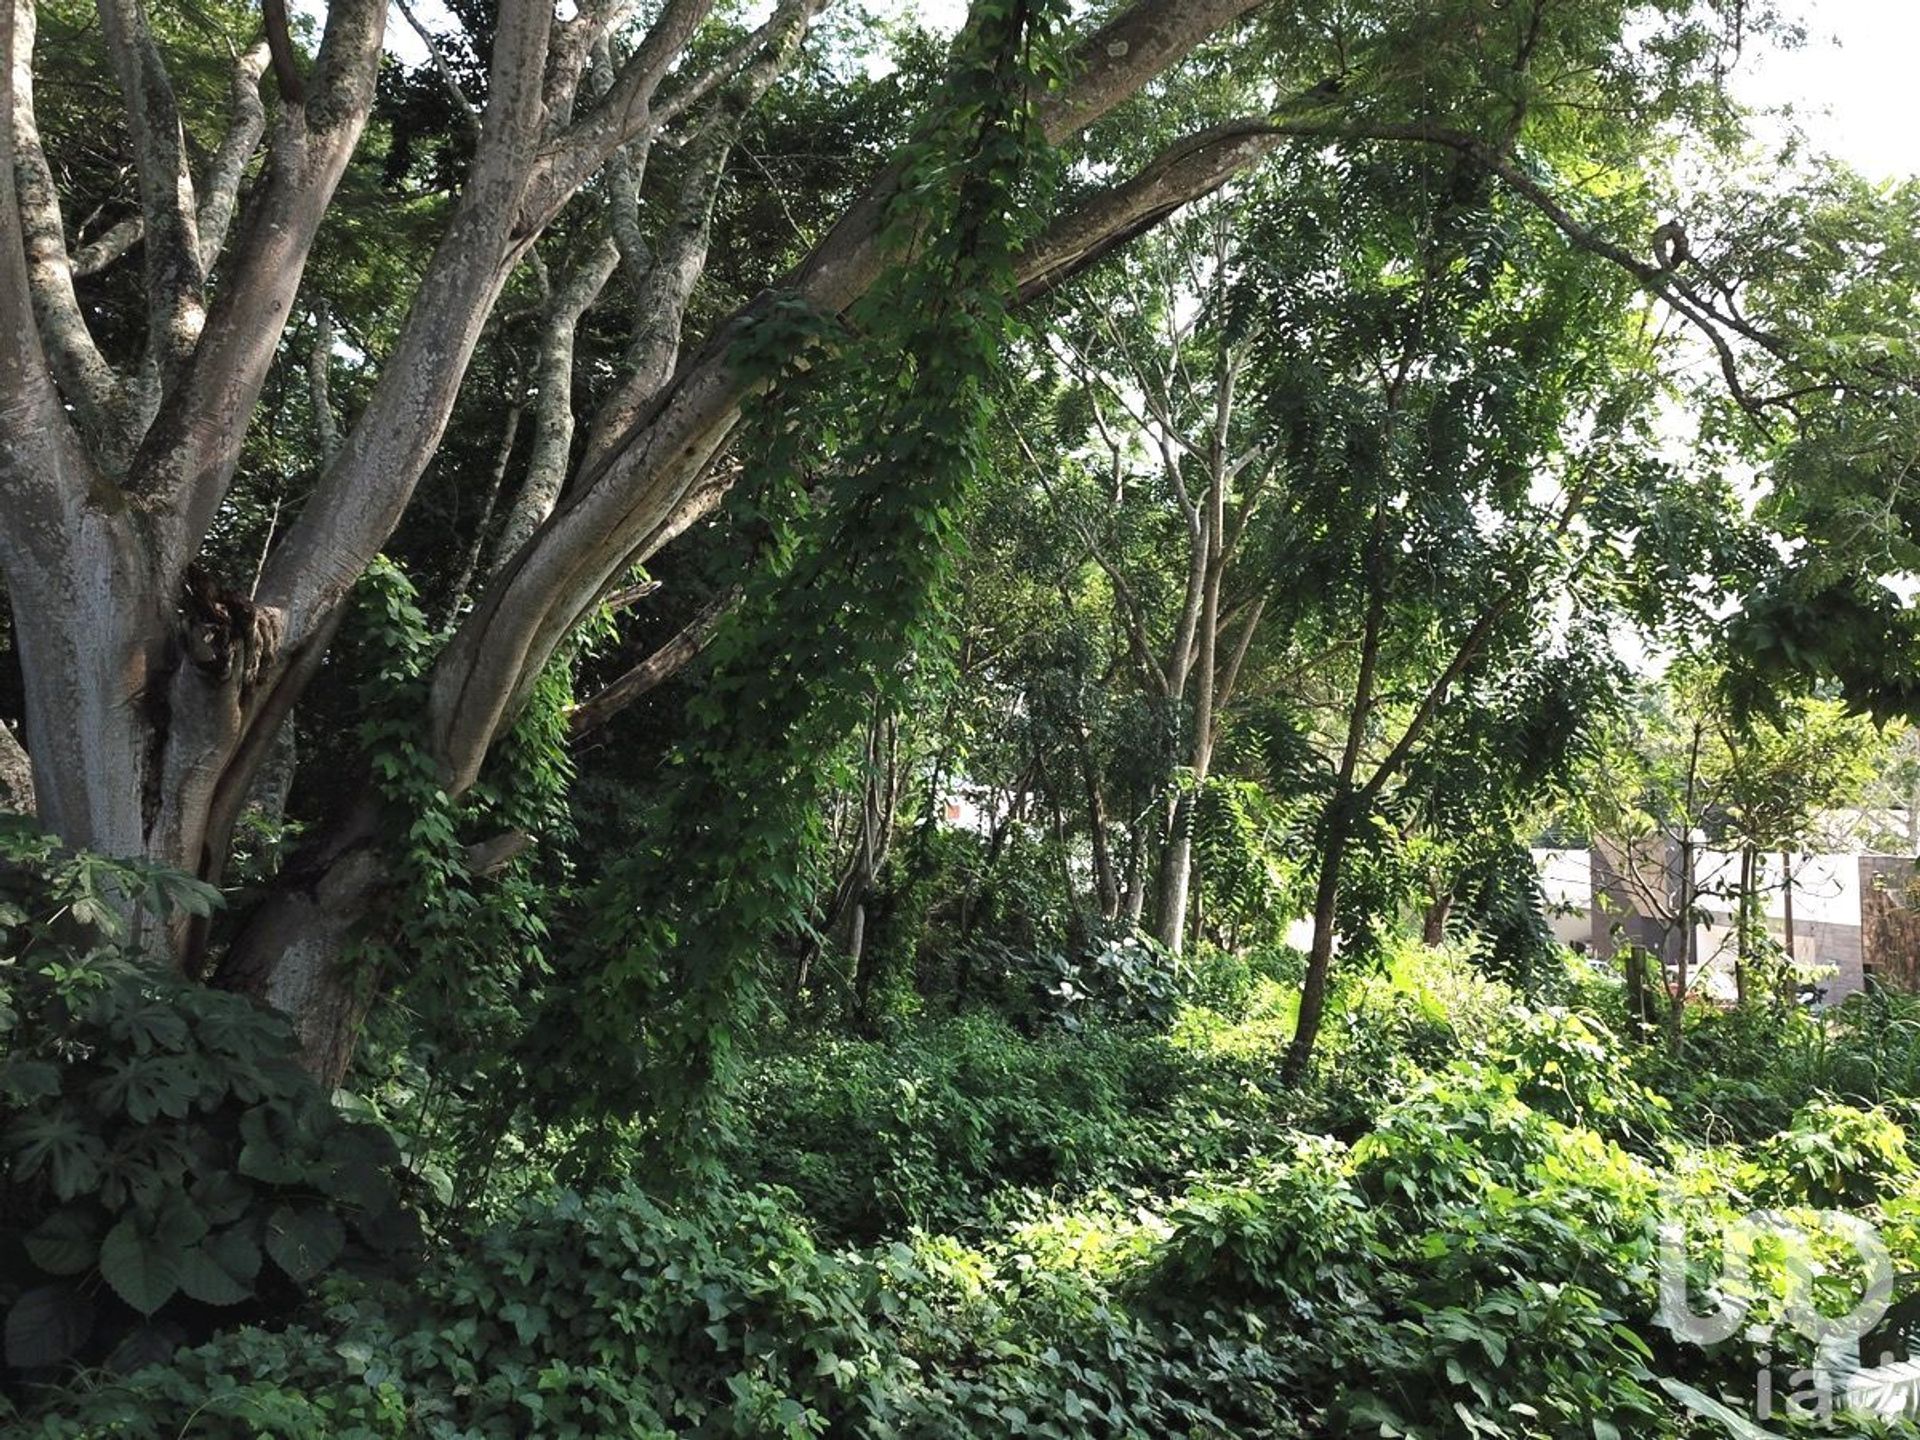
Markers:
point(945, 1123)
point(1835, 1156)
point(584, 1316)
point(1571, 1067)
point(165, 1165)
point(1294, 1229)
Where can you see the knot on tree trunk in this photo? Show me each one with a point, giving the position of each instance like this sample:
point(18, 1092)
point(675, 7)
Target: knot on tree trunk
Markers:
point(223, 632)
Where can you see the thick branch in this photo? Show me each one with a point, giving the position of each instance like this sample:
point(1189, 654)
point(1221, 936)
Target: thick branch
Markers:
point(326, 427)
point(246, 124)
point(625, 111)
point(43, 468)
point(286, 69)
point(1109, 67)
point(174, 275)
point(189, 455)
point(86, 380)
point(659, 667)
point(615, 514)
point(1185, 171)
point(362, 493)
point(666, 284)
point(99, 253)
point(553, 400)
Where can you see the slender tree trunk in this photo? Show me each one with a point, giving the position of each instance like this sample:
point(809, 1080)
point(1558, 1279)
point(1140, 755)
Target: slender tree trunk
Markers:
point(1746, 924)
point(1176, 873)
point(1638, 1001)
point(1106, 885)
point(1433, 925)
point(1789, 975)
point(1326, 905)
point(1683, 969)
point(1326, 899)
point(1136, 881)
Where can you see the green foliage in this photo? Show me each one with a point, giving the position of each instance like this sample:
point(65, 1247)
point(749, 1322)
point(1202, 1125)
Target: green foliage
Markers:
point(1041, 1258)
point(1570, 1066)
point(465, 956)
point(576, 1315)
point(887, 411)
point(1121, 979)
point(1835, 1156)
point(956, 1121)
point(1245, 880)
point(163, 1158)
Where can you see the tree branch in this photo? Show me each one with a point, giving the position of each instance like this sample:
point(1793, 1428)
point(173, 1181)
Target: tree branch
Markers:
point(286, 68)
point(97, 254)
point(462, 586)
point(659, 667)
point(618, 514)
point(553, 399)
point(360, 496)
point(326, 428)
point(666, 285)
point(190, 453)
point(43, 467)
point(469, 117)
point(247, 123)
point(175, 278)
point(86, 380)
point(624, 112)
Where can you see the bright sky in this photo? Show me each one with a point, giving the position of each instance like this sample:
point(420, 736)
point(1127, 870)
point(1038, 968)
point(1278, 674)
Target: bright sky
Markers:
point(1852, 85)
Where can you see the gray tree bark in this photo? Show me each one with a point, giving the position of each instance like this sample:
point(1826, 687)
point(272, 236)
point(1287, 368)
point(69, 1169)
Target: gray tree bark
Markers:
point(154, 692)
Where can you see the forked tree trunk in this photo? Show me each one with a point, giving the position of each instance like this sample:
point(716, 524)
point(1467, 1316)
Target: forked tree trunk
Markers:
point(154, 693)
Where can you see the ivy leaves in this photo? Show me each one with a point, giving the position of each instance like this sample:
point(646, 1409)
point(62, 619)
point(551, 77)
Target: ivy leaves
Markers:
point(863, 457)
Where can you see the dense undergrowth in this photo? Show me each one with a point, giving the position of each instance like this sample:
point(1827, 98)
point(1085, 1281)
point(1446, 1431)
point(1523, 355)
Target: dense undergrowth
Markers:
point(971, 1227)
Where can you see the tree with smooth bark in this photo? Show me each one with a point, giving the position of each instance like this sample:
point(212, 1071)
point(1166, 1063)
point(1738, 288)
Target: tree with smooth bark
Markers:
point(154, 689)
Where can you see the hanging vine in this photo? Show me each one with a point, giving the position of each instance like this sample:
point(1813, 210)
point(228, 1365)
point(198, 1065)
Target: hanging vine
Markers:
point(860, 462)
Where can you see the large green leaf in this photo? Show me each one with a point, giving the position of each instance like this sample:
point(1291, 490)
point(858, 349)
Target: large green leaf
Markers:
point(1705, 1406)
point(65, 1243)
point(143, 1270)
point(304, 1240)
point(207, 1279)
point(237, 1251)
point(178, 1223)
point(221, 1196)
point(60, 1143)
point(24, 1081)
point(46, 1325)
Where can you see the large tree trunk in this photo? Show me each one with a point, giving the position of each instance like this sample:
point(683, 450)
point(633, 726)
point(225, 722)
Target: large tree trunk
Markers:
point(292, 951)
point(16, 774)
